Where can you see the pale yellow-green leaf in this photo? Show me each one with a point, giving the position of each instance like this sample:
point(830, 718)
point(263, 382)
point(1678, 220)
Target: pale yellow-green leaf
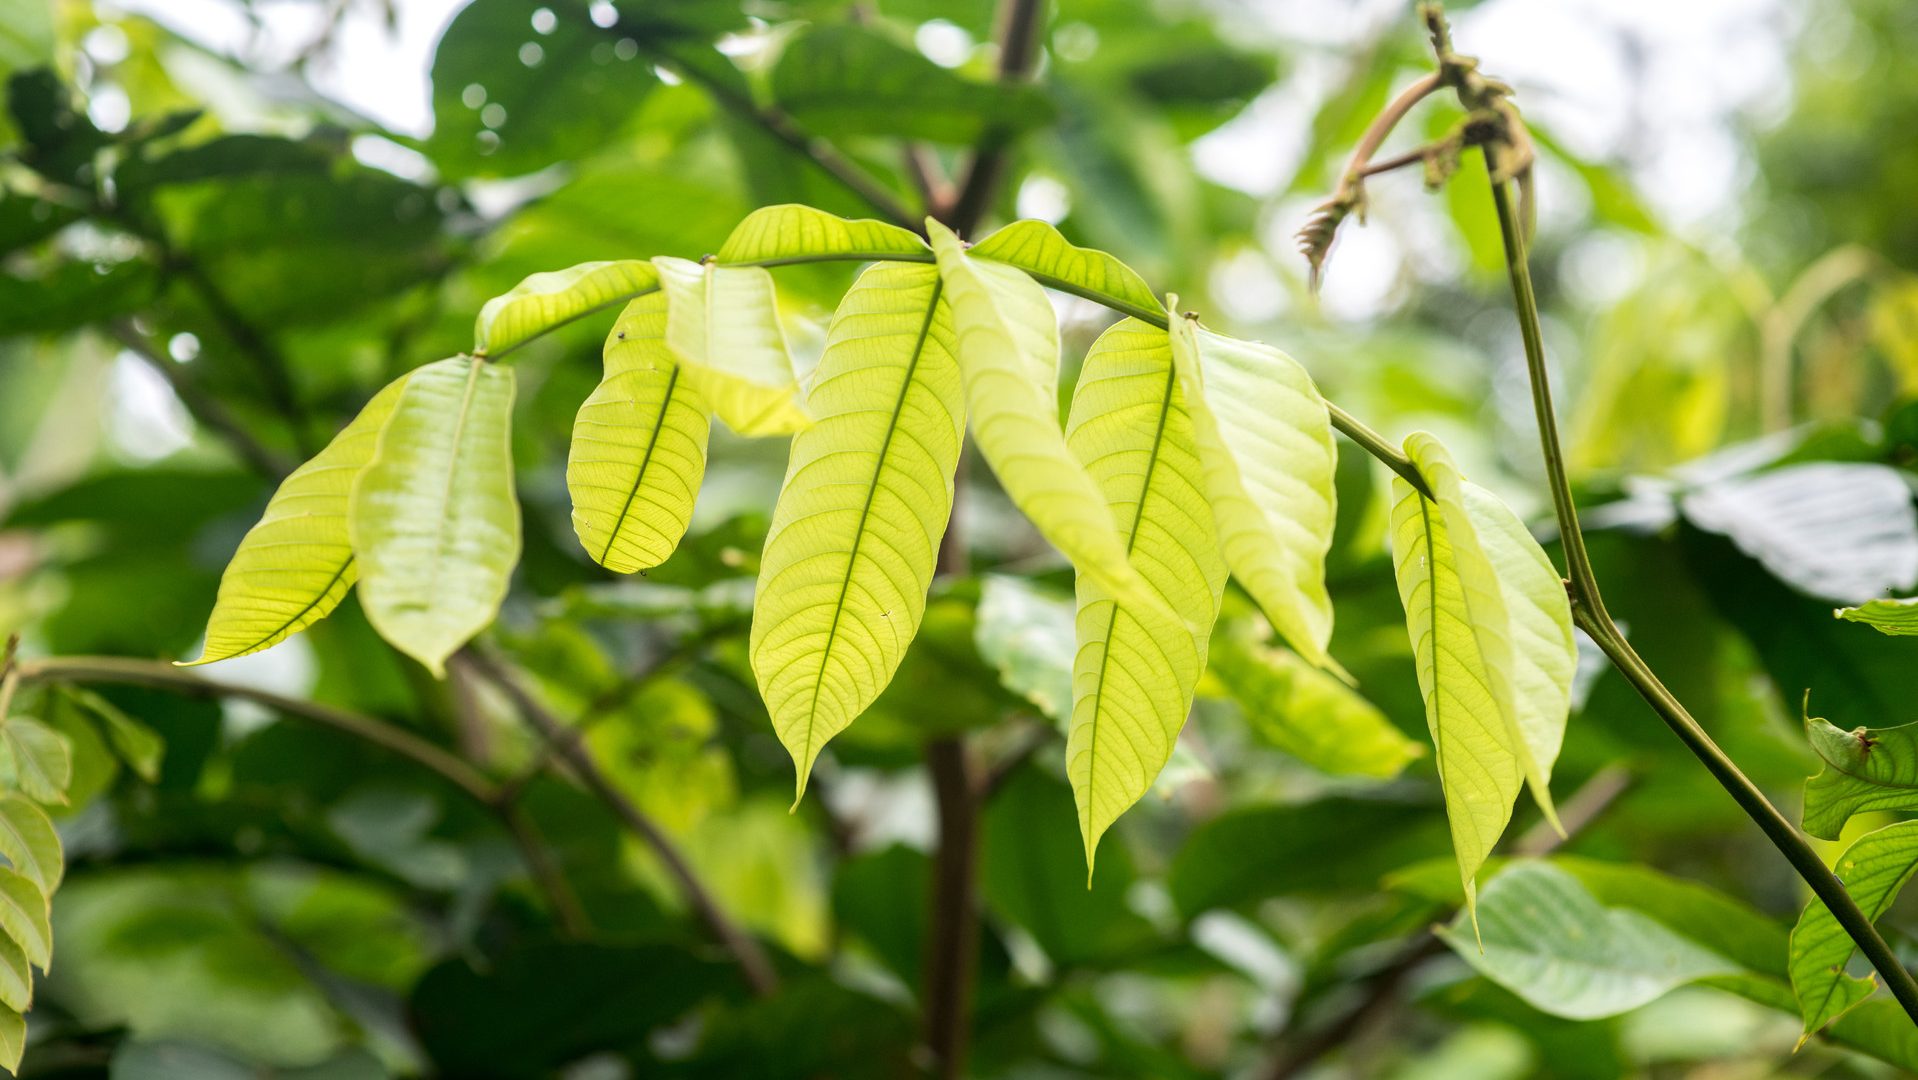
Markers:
point(639, 447)
point(553, 298)
point(791, 233)
point(1265, 439)
point(37, 759)
point(1038, 249)
point(436, 528)
point(1478, 770)
point(1134, 671)
point(1008, 348)
point(29, 842)
point(1518, 613)
point(13, 1039)
point(295, 566)
point(723, 324)
point(16, 978)
point(23, 916)
point(855, 535)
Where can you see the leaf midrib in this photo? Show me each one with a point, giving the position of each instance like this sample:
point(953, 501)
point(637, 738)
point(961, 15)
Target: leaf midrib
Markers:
point(440, 530)
point(645, 462)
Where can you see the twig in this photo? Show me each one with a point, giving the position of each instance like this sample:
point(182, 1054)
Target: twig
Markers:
point(545, 869)
point(1021, 25)
point(935, 189)
point(204, 407)
point(746, 953)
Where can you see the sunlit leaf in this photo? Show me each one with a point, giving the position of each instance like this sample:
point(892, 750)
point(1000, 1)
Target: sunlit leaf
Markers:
point(553, 298)
point(791, 233)
point(1545, 939)
point(723, 324)
point(1517, 611)
point(38, 760)
point(1135, 671)
point(1266, 443)
point(29, 842)
point(1865, 769)
point(1038, 249)
point(1306, 712)
point(639, 447)
point(1008, 348)
point(436, 528)
point(13, 1039)
point(1896, 617)
point(855, 535)
point(1874, 869)
point(295, 566)
point(16, 978)
point(23, 915)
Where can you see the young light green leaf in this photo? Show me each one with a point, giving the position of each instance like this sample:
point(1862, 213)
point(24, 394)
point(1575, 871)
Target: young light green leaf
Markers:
point(295, 566)
point(13, 1039)
point(1306, 712)
point(791, 233)
point(1545, 939)
point(1874, 869)
point(1008, 349)
point(1038, 249)
point(435, 525)
point(24, 916)
point(38, 760)
point(16, 978)
point(639, 447)
point(1478, 769)
point(1265, 439)
point(723, 324)
point(551, 299)
point(1134, 674)
point(28, 840)
point(1865, 769)
point(1896, 617)
point(855, 535)
point(1517, 611)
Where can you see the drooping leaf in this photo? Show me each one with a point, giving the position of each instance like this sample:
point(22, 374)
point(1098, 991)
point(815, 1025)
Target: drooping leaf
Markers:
point(1266, 443)
point(723, 324)
point(1896, 617)
point(1008, 349)
point(1865, 769)
point(638, 453)
point(1840, 531)
point(295, 566)
point(1306, 712)
point(1478, 767)
point(24, 916)
point(791, 233)
point(16, 978)
point(1052, 260)
point(553, 298)
point(1516, 609)
point(435, 525)
point(1134, 672)
point(845, 79)
point(1874, 869)
point(1546, 940)
point(29, 842)
point(855, 535)
point(1026, 632)
point(38, 760)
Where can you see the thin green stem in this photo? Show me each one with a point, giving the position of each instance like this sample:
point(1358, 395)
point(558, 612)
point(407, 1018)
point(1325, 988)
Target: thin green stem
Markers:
point(1588, 611)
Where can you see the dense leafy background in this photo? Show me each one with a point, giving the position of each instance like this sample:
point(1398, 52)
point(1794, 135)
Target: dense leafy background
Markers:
point(273, 898)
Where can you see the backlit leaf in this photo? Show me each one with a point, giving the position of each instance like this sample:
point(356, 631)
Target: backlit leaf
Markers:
point(29, 842)
point(723, 324)
point(791, 233)
point(38, 760)
point(547, 300)
point(435, 525)
point(1008, 349)
point(1865, 769)
point(295, 566)
point(1874, 869)
point(856, 532)
point(1895, 617)
point(1266, 442)
point(1038, 249)
point(23, 915)
point(639, 447)
point(1134, 674)
point(16, 978)
point(13, 1038)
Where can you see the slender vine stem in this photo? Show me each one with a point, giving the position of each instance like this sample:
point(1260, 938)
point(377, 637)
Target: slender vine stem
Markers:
point(1588, 611)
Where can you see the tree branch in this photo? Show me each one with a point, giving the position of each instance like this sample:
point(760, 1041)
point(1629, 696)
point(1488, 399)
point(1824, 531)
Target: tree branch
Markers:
point(1021, 26)
point(952, 949)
